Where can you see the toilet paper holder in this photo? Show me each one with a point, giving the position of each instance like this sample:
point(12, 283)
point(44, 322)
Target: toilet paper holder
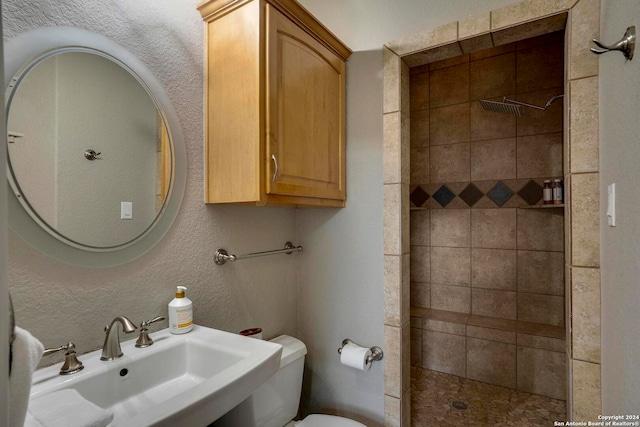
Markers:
point(376, 352)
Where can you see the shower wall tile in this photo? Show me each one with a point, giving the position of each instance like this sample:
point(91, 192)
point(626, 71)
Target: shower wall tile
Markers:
point(441, 35)
point(531, 164)
point(420, 263)
point(396, 157)
point(494, 51)
point(585, 24)
point(449, 62)
point(493, 269)
point(419, 166)
point(543, 343)
point(585, 295)
point(527, 10)
point(490, 334)
point(492, 77)
point(420, 228)
point(474, 25)
point(419, 130)
point(416, 346)
point(392, 70)
point(449, 163)
point(449, 124)
point(426, 57)
point(449, 86)
point(419, 87)
point(444, 352)
point(450, 266)
point(538, 308)
point(451, 227)
point(587, 400)
point(493, 228)
point(540, 40)
point(585, 223)
point(540, 67)
point(483, 123)
point(396, 219)
point(535, 122)
point(494, 159)
point(445, 326)
point(542, 372)
point(492, 322)
point(584, 125)
point(447, 317)
point(451, 298)
point(527, 30)
point(392, 289)
point(476, 43)
point(392, 411)
point(540, 230)
point(491, 362)
point(397, 360)
point(420, 294)
point(494, 303)
point(541, 272)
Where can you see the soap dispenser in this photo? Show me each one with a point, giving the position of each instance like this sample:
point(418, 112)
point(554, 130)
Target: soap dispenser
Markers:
point(180, 313)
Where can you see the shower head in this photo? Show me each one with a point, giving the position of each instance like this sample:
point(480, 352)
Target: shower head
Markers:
point(502, 107)
point(509, 106)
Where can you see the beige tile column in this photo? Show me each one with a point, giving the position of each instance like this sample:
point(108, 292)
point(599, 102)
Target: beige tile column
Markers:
point(397, 403)
point(583, 207)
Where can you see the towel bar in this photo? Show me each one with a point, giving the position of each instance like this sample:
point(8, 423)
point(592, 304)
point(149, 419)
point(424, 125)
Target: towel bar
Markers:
point(222, 256)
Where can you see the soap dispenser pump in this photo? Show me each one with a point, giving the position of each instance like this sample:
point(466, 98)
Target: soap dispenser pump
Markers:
point(180, 313)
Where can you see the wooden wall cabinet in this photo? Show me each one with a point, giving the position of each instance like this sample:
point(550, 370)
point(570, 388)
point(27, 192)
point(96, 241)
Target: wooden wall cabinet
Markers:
point(275, 105)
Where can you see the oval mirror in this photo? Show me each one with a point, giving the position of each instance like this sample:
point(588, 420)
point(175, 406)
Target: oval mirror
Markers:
point(95, 153)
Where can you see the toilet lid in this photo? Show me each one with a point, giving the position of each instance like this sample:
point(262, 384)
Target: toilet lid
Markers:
point(316, 420)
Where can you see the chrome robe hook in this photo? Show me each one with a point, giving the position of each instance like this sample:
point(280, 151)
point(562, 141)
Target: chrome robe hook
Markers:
point(626, 45)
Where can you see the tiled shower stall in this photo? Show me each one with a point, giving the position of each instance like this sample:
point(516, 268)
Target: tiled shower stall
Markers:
point(487, 257)
point(515, 23)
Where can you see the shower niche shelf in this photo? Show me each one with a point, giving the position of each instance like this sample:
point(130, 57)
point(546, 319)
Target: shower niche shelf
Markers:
point(560, 206)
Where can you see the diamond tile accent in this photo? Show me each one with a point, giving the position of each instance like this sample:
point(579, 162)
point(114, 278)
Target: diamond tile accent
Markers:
point(471, 194)
point(500, 193)
point(418, 196)
point(443, 196)
point(531, 193)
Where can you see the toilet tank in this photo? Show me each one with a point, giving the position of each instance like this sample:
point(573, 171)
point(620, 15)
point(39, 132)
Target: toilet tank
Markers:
point(276, 401)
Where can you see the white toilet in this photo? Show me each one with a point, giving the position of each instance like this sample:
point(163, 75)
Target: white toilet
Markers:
point(275, 403)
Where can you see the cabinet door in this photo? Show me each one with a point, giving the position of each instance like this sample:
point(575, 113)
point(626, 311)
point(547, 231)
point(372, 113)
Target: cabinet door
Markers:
point(305, 113)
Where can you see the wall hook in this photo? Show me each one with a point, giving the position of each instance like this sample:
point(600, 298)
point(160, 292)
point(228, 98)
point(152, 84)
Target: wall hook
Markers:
point(626, 45)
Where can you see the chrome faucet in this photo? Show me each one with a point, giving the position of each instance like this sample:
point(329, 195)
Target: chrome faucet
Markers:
point(111, 349)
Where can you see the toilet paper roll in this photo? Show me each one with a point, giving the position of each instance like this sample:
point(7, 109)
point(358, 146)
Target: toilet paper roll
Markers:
point(356, 357)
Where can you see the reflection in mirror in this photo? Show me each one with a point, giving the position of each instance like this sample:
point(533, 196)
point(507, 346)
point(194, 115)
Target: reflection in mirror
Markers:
point(72, 101)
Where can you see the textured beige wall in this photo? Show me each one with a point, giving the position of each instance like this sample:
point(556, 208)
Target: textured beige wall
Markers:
point(58, 303)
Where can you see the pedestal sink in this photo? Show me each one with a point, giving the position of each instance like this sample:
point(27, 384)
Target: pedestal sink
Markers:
point(185, 380)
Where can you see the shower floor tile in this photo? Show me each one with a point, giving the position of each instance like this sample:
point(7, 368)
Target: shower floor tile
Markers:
point(432, 395)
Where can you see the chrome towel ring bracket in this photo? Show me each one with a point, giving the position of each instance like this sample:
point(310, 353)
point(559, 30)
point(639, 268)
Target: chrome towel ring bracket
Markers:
point(626, 45)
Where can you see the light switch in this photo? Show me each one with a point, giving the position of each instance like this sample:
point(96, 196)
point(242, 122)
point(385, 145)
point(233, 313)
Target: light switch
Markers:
point(611, 205)
point(126, 210)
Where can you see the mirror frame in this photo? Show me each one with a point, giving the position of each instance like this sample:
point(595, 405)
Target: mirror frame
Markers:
point(25, 49)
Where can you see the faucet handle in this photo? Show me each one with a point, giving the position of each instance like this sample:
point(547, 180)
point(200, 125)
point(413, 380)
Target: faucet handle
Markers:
point(144, 340)
point(71, 363)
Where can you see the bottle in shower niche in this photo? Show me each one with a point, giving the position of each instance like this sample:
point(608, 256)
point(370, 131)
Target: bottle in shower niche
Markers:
point(547, 192)
point(558, 194)
point(180, 313)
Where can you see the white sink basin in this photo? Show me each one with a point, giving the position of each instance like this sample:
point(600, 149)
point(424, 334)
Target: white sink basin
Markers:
point(181, 380)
